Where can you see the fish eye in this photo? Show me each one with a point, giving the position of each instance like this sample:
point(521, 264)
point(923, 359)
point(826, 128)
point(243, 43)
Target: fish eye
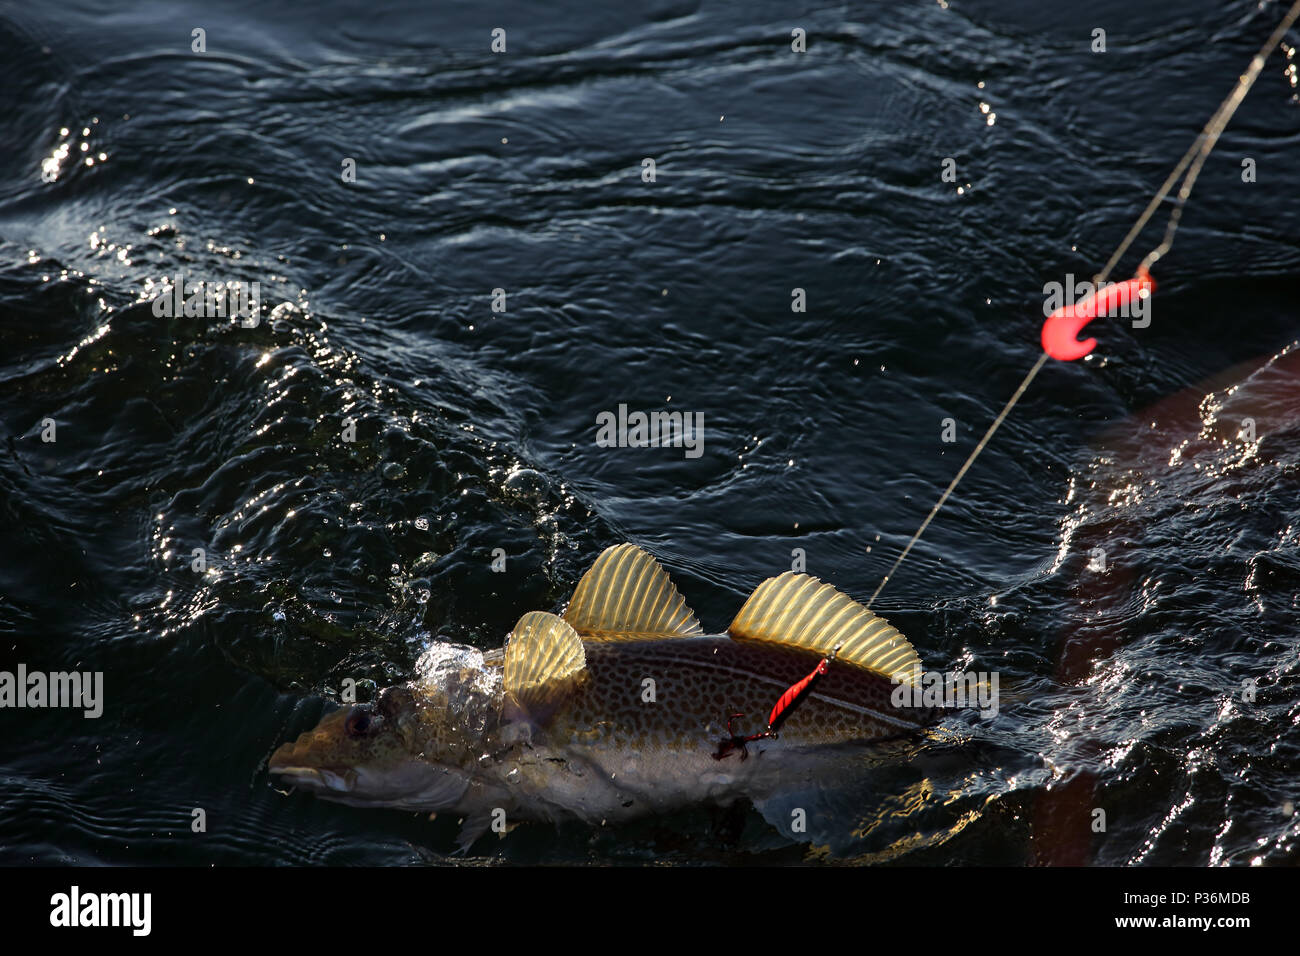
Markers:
point(362, 721)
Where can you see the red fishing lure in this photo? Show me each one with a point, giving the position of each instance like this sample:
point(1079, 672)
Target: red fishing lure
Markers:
point(780, 711)
point(1062, 328)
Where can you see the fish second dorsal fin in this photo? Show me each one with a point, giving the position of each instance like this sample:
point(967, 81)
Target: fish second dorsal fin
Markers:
point(625, 596)
point(544, 659)
point(800, 611)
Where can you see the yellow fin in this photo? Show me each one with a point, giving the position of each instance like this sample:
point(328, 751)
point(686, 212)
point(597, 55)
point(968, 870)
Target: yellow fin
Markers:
point(544, 658)
point(625, 596)
point(801, 611)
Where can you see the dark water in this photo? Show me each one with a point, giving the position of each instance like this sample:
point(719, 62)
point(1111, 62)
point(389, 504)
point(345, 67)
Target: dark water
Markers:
point(475, 429)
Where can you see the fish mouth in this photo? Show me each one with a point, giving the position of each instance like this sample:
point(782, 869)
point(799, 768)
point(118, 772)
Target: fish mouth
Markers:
point(296, 765)
point(319, 779)
point(409, 784)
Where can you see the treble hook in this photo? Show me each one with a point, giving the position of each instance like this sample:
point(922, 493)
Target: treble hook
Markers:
point(1062, 328)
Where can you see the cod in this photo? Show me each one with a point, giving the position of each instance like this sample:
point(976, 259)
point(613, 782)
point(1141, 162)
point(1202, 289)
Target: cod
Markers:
point(622, 707)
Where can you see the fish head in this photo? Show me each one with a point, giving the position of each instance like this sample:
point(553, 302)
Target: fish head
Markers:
point(413, 748)
point(370, 755)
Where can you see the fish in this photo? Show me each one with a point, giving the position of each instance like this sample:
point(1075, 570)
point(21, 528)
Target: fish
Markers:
point(623, 707)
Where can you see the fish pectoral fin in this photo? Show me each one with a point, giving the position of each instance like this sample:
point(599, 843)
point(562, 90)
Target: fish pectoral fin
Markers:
point(472, 827)
point(627, 595)
point(810, 813)
point(798, 610)
point(544, 661)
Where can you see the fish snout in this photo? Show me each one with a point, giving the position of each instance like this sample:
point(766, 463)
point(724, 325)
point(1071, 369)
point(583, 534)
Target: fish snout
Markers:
point(301, 763)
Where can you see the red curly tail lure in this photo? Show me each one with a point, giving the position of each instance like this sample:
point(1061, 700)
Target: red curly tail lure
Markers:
point(1062, 328)
point(793, 696)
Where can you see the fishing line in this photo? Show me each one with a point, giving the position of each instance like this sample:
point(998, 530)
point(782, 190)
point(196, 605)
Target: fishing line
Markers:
point(1189, 167)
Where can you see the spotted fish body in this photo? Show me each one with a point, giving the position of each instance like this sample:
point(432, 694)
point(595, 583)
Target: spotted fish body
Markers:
point(620, 708)
point(702, 680)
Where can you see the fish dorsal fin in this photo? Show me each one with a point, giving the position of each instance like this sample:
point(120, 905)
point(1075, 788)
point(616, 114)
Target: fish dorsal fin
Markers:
point(544, 659)
point(625, 596)
point(800, 611)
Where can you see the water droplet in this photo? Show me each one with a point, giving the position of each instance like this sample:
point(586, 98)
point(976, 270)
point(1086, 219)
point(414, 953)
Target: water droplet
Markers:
point(526, 483)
